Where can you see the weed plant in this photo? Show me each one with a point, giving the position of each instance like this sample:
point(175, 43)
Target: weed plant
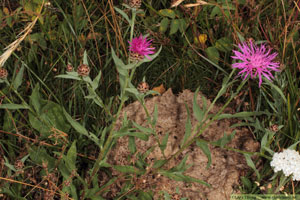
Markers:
point(67, 72)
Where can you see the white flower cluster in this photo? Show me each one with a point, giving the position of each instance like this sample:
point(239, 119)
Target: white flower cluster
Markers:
point(289, 162)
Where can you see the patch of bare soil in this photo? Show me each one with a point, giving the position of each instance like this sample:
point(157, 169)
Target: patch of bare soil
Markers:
point(226, 167)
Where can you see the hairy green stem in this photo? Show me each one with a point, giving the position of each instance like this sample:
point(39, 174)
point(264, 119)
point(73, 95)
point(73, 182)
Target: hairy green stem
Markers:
point(107, 144)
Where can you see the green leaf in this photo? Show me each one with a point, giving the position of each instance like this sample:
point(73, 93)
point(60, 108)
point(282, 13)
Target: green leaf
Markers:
point(213, 54)
point(92, 193)
point(224, 140)
point(205, 149)
point(39, 155)
point(102, 137)
point(152, 57)
point(141, 128)
point(215, 11)
point(246, 182)
point(159, 163)
point(241, 37)
point(133, 91)
point(50, 116)
point(95, 82)
point(145, 195)
point(125, 132)
point(181, 167)
point(164, 25)
point(198, 113)
point(164, 142)
point(131, 144)
point(117, 61)
point(69, 75)
point(85, 59)
point(224, 44)
point(12, 106)
point(251, 164)
point(188, 127)
point(155, 115)
point(276, 89)
point(70, 159)
point(121, 12)
point(92, 95)
point(130, 66)
point(19, 78)
point(128, 169)
point(79, 128)
point(167, 13)
point(240, 115)
point(35, 98)
point(174, 26)
point(182, 25)
point(178, 176)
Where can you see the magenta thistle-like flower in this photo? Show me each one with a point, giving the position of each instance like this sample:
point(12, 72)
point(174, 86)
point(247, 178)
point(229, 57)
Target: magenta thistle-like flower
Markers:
point(141, 46)
point(255, 61)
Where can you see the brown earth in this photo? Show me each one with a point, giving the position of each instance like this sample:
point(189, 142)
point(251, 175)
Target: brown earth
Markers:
point(226, 167)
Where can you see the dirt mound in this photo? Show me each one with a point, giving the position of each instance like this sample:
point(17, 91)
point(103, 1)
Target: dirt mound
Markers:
point(226, 167)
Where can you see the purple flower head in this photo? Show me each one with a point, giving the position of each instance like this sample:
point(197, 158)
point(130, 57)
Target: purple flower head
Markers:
point(141, 46)
point(255, 61)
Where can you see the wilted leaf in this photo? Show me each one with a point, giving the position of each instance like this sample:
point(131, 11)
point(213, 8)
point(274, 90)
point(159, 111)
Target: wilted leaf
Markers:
point(164, 25)
point(213, 54)
point(160, 89)
point(174, 26)
point(167, 13)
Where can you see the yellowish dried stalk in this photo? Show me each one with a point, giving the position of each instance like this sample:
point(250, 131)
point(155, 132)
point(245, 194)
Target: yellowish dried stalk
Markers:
point(22, 35)
point(199, 3)
point(176, 3)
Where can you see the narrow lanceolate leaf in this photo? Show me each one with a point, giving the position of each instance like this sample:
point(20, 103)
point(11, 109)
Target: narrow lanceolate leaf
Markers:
point(117, 60)
point(70, 159)
point(13, 106)
point(179, 176)
point(198, 112)
point(188, 128)
point(155, 115)
point(79, 128)
point(205, 149)
point(95, 82)
point(224, 140)
point(69, 75)
point(159, 163)
point(139, 135)
point(19, 78)
point(240, 115)
point(251, 164)
point(182, 167)
point(85, 60)
point(128, 169)
point(121, 12)
point(35, 99)
point(152, 57)
point(141, 128)
point(164, 142)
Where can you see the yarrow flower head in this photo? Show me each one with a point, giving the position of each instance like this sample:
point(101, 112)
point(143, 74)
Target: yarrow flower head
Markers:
point(255, 61)
point(140, 45)
point(289, 162)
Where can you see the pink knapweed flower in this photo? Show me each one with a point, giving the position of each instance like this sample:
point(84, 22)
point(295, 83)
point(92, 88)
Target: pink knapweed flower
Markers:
point(141, 46)
point(255, 61)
